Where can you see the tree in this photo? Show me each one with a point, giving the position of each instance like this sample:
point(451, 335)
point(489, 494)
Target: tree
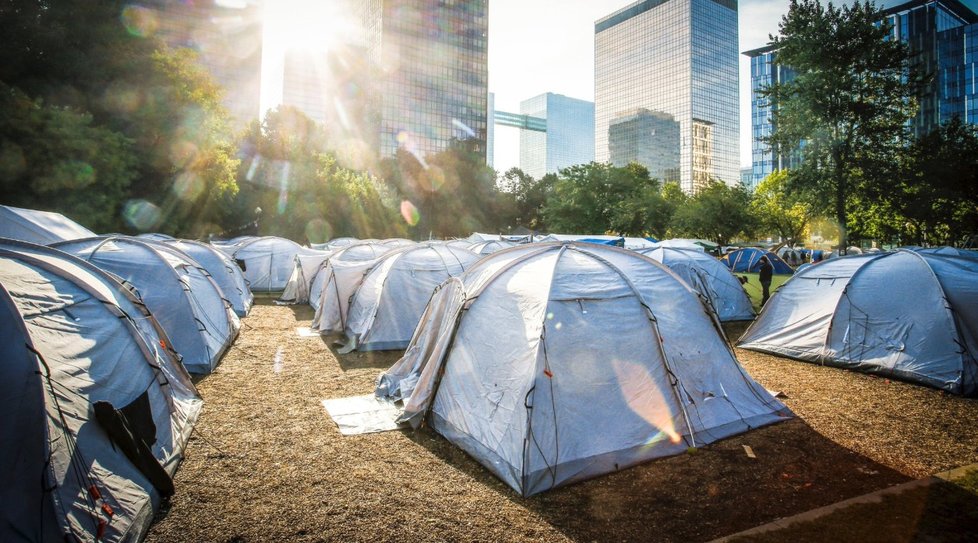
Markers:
point(56, 158)
point(777, 210)
point(598, 198)
point(97, 60)
point(303, 189)
point(935, 195)
point(528, 197)
point(718, 212)
point(847, 107)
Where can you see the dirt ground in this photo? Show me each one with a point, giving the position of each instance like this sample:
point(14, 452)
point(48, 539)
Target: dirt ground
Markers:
point(266, 462)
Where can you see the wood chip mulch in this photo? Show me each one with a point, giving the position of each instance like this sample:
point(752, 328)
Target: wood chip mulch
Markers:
point(266, 462)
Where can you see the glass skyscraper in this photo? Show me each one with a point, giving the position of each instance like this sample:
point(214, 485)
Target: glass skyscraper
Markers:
point(430, 58)
point(941, 35)
point(675, 58)
point(649, 138)
point(569, 138)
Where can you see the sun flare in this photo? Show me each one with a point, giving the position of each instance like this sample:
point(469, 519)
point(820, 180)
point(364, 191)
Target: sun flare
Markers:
point(307, 24)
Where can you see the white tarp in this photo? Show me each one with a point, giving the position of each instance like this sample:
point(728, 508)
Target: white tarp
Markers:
point(598, 356)
point(363, 414)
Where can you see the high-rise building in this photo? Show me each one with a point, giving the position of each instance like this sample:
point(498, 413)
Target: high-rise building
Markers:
point(942, 36)
point(649, 138)
point(676, 58)
point(568, 139)
point(429, 63)
point(228, 41)
point(764, 72)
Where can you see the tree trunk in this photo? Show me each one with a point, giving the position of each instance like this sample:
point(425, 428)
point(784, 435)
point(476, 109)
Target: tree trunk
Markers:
point(840, 203)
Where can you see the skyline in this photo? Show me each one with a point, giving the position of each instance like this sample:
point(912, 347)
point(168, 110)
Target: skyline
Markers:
point(562, 59)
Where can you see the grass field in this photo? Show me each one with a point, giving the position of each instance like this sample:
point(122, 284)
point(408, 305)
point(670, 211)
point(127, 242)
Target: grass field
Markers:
point(753, 287)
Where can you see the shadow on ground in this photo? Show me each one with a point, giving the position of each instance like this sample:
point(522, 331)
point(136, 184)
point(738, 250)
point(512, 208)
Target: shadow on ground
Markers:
point(715, 491)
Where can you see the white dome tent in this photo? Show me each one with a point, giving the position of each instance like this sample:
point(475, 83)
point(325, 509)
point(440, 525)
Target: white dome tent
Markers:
point(489, 247)
point(709, 277)
point(223, 271)
point(267, 262)
point(305, 267)
point(904, 314)
point(180, 294)
point(344, 258)
point(392, 296)
point(93, 400)
point(41, 227)
point(598, 356)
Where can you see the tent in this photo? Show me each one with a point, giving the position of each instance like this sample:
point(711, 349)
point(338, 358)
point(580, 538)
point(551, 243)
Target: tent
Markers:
point(155, 236)
point(709, 277)
point(41, 227)
point(179, 293)
point(334, 244)
point(559, 362)
point(304, 269)
point(904, 314)
point(267, 262)
point(386, 307)
point(97, 411)
point(679, 244)
point(358, 252)
point(229, 246)
point(225, 273)
point(489, 247)
point(620, 241)
point(748, 260)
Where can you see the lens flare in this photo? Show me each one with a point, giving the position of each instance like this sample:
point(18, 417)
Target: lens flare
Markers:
point(141, 215)
point(139, 21)
point(410, 213)
point(646, 400)
point(318, 231)
point(188, 186)
point(463, 127)
point(182, 153)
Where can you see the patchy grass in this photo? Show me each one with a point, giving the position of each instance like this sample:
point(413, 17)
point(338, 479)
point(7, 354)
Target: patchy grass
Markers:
point(267, 464)
point(753, 287)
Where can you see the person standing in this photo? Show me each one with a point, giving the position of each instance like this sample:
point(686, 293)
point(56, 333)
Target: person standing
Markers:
point(767, 271)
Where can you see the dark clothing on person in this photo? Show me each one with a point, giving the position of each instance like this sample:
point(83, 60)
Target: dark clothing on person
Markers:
point(766, 272)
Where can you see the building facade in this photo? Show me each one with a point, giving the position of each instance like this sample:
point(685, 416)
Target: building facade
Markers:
point(430, 63)
point(649, 138)
point(675, 58)
point(941, 36)
point(569, 135)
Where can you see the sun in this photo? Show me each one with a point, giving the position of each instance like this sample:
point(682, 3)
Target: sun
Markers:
point(311, 25)
point(300, 25)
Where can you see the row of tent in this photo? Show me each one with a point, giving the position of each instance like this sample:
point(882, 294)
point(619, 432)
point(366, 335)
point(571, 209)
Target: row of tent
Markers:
point(99, 336)
point(374, 292)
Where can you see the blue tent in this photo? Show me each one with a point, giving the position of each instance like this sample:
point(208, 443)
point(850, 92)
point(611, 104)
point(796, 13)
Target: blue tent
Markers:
point(748, 260)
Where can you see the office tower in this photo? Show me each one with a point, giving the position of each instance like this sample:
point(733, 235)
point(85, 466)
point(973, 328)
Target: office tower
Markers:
point(649, 138)
point(430, 59)
point(764, 72)
point(942, 36)
point(490, 130)
point(228, 41)
point(674, 58)
point(746, 177)
point(569, 135)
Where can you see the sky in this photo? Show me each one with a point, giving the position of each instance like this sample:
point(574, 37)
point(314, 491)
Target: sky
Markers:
point(538, 46)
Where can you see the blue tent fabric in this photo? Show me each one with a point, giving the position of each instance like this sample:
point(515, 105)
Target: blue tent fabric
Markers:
point(747, 260)
point(619, 242)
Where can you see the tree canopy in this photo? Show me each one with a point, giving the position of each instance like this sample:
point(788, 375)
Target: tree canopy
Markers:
point(846, 109)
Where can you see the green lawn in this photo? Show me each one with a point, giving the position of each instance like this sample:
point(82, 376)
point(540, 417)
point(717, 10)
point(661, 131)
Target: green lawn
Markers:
point(753, 287)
